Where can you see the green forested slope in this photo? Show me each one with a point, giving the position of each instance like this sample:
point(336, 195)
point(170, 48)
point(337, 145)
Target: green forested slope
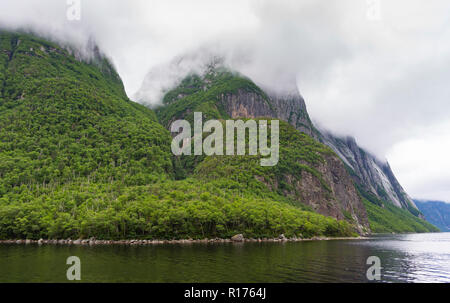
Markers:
point(386, 218)
point(78, 159)
point(62, 120)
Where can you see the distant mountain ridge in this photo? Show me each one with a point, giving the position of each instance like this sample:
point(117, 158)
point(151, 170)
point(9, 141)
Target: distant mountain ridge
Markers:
point(436, 212)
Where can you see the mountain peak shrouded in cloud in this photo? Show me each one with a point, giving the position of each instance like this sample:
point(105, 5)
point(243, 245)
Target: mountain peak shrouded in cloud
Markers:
point(382, 80)
point(166, 76)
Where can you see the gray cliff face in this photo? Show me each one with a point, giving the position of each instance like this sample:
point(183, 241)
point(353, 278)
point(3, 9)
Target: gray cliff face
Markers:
point(341, 201)
point(246, 104)
point(290, 108)
point(373, 175)
point(369, 173)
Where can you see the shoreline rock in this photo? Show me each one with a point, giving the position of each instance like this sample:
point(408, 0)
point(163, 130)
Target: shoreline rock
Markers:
point(239, 238)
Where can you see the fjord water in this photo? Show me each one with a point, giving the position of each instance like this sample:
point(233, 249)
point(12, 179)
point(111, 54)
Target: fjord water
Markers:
point(404, 258)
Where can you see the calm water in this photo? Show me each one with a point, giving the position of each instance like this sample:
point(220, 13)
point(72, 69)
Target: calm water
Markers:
point(404, 258)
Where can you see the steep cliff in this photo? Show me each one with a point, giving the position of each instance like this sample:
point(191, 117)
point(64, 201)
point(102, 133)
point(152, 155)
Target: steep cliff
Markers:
point(367, 171)
point(290, 108)
point(352, 176)
point(245, 99)
point(308, 172)
point(370, 173)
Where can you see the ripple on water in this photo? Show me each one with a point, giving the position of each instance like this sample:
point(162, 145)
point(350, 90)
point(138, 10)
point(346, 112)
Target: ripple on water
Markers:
point(404, 258)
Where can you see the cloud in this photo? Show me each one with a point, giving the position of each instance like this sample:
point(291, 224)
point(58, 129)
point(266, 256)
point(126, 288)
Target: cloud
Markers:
point(383, 81)
point(167, 75)
point(422, 162)
point(137, 35)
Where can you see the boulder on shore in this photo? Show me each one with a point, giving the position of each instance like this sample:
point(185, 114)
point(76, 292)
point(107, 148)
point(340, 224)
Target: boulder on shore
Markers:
point(238, 238)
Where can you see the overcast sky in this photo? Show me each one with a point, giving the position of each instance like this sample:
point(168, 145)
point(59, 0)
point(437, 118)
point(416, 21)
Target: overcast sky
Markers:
point(379, 73)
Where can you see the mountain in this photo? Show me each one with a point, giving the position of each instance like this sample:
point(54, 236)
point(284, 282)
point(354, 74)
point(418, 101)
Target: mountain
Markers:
point(436, 212)
point(78, 159)
point(222, 94)
point(63, 119)
point(371, 174)
point(300, 174)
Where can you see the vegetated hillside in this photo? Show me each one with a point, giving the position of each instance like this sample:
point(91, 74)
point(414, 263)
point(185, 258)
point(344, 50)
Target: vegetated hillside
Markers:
point(436, 212)
point(308, 172)
point(385, 217)
point(234, 95)
point(221, 94)
point(62, 119)
point(79, 159)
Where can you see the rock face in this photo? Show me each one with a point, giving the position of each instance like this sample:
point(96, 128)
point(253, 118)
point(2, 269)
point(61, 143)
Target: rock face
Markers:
point(290, 108)
point(241, 98)
point(339, 199)
point(246, 104)
point(327, 187)
point(372, 174)
point(343, 202)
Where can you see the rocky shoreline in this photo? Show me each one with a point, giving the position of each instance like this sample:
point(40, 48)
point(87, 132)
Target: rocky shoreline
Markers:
point(235, 239)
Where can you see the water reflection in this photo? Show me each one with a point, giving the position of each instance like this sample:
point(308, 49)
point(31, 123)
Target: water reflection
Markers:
point(413, 257)
point(404, 258)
